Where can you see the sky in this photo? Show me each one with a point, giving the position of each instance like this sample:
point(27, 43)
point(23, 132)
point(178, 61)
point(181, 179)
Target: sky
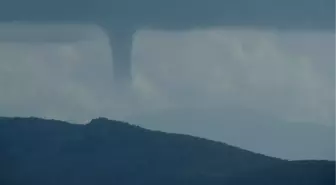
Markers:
point(289, 75)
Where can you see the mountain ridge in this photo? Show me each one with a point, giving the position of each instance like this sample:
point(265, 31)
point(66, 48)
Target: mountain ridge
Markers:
point(39, 151)
point(259, 132)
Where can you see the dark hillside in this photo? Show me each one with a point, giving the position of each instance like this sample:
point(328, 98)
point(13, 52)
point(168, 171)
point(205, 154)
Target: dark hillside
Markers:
point(37, 151)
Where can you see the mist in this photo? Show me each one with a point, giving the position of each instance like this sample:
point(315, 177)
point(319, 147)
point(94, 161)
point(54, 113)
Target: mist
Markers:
point(285, 75)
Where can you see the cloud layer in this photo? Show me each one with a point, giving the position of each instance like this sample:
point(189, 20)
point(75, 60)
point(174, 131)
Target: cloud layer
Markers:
point(290, 75)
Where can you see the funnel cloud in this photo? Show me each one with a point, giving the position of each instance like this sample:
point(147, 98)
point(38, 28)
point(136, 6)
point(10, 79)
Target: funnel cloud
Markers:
point(122, 18)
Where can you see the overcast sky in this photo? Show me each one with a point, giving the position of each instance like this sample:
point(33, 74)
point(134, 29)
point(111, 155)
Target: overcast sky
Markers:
point(244, 87)
point(290, 75)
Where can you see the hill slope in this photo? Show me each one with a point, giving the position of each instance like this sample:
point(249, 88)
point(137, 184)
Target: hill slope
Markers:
point(37, 151)
point(248, 129)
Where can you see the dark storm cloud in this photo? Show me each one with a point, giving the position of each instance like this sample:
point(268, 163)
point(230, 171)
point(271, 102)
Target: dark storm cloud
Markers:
point(177, 14)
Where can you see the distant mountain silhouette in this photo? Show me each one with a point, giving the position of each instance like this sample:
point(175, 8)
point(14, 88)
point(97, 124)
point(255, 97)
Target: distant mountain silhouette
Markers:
point(36, 151)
